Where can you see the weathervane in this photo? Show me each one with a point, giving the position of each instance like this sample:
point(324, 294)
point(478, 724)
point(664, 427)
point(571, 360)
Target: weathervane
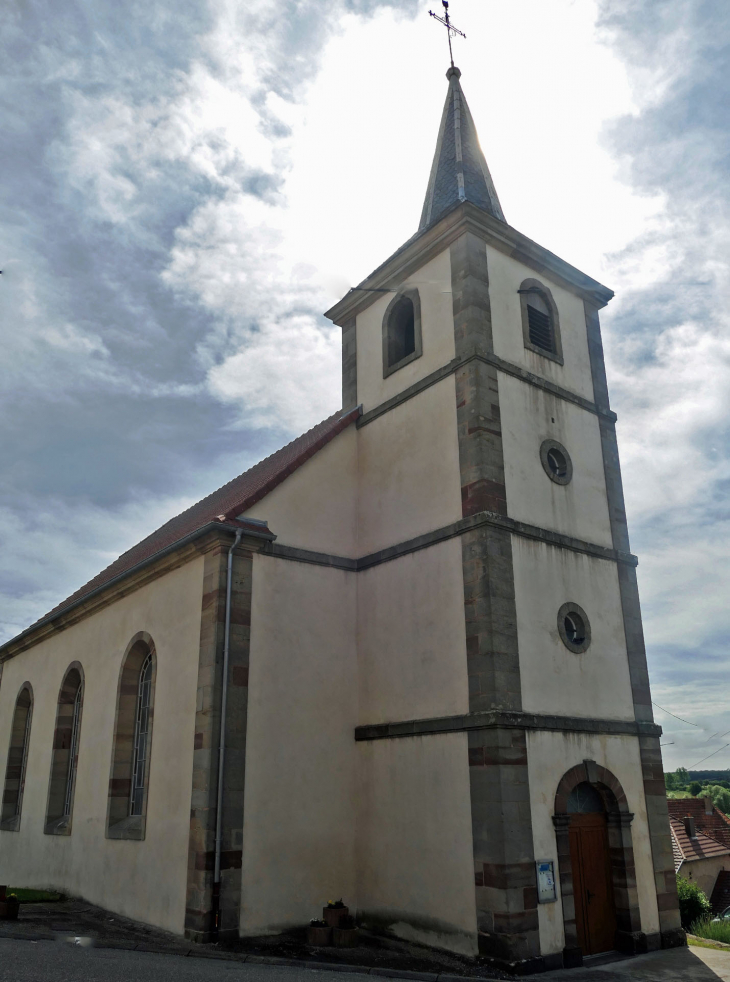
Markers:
point(450, 29)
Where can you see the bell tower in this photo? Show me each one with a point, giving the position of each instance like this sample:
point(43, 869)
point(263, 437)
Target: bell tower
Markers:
point(486, 433)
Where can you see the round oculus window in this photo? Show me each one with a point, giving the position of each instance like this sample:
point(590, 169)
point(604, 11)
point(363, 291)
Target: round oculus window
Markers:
point(574, 627)
point(556, 461)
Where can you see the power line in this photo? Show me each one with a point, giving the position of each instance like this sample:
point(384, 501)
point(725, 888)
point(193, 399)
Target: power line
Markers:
point(706, 758)
point(672, 714)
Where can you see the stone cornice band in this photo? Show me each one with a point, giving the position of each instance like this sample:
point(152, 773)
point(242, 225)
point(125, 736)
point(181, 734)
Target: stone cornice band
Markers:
point(499, 363)
point(457, 528)
point(427, 244)
point(499, 719)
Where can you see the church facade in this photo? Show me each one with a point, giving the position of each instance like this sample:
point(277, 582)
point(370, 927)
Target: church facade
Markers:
point(400, 661)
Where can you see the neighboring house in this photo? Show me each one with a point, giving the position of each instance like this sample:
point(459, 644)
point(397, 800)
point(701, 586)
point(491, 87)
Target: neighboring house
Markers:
point(701, 846)
point(436, 701)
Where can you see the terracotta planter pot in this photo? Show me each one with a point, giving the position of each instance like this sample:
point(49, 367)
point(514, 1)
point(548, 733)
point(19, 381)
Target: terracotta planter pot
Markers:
point(333, 915)
point(319, 936)
point(345, 937)
point(9, 909)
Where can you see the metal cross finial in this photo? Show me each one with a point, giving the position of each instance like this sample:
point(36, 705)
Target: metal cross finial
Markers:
point(450, 29)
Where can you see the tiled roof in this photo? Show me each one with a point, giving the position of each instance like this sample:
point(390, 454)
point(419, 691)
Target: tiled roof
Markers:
point(459, 171)
point(716, 825)
point(700, 847)
point(223, 505)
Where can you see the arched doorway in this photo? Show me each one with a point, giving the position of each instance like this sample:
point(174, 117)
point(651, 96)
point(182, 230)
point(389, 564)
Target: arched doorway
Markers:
point(590, 861)
point(596, 862)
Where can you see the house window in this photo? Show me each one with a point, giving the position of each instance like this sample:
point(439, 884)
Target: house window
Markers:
point(65, 754)
point(17, 760)
point(574, 627)
point(131, 756)
point(540, 321)
point(401, 331)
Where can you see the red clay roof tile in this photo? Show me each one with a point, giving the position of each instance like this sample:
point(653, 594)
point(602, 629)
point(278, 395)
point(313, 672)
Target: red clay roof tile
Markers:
point(699, 847)
point(716, 824)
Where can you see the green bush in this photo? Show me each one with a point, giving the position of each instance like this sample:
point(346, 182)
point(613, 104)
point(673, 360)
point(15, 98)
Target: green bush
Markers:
point(694, 788)
point(704, 928)
point(693, 904)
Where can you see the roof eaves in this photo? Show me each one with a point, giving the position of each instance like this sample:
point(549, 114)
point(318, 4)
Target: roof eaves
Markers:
point(229, 525)
point(428, 242)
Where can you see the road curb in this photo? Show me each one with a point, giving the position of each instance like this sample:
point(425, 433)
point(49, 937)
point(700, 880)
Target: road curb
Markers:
point(317, 966)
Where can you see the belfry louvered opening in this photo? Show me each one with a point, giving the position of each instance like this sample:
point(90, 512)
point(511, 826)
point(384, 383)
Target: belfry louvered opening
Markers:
point(401, 331)
point(540, 322)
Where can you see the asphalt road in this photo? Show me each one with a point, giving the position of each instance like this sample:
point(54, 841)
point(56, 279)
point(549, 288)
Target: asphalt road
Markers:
point(56, 961)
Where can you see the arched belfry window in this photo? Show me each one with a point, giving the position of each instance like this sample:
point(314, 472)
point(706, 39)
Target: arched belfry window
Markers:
point(17, 760)
point(65, 754)
point(131, 754)
point(540, 321)
point(401, 331)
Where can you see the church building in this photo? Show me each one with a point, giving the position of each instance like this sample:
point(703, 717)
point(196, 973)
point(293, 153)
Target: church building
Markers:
point(400, 661)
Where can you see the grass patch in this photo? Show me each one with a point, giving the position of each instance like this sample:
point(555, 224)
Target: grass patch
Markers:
point(711, 930)
point(34, 896)
point(701, 943)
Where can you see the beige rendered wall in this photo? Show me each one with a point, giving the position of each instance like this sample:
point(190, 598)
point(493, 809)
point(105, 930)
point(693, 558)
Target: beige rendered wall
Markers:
point(408, 464)
point(505, 276)
point(299, 809)
point(411, 636)
point(316, 506)
point(433, 281)
point(415, 863)
point(554, 679)
point(144, 880)
point(704, 872)
point(529, 416)
point(549, 756)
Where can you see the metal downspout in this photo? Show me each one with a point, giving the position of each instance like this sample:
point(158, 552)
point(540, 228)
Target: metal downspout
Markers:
point(222, 739)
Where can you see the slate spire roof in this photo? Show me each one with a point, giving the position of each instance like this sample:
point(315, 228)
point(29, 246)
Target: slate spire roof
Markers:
point(459, 171)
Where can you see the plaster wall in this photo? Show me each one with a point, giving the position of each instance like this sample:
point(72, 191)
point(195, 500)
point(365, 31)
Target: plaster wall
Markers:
point(704, 872)
point(415, 863)
point(554, 679)
point(549, 756)
point(505, 276)
point(408, 463)
point(433, 282)
point(315, 507)
point(299, 808)
point(411, 636)
point(145, 880)
point(530, 415)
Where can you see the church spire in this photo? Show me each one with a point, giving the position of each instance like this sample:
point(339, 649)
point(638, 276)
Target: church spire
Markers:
point(459, 171)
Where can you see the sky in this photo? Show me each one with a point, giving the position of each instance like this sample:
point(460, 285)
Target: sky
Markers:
point(187, 186)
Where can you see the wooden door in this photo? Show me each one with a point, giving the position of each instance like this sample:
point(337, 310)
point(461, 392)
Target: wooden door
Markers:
point(595, 914)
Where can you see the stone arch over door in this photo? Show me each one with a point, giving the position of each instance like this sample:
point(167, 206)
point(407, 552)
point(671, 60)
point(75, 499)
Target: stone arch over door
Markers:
point(629, 936)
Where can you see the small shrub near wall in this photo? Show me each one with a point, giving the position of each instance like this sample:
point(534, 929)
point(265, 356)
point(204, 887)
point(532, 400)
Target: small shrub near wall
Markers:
point(693, 904)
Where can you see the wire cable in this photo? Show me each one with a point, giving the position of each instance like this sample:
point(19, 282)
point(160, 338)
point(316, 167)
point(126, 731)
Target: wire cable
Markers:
point(672, 714)
point(707, 758)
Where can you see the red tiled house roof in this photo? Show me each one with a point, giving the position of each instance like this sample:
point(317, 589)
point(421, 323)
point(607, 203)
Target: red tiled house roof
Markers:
point(223, 505)
point(687, 850)
point(714, 824)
